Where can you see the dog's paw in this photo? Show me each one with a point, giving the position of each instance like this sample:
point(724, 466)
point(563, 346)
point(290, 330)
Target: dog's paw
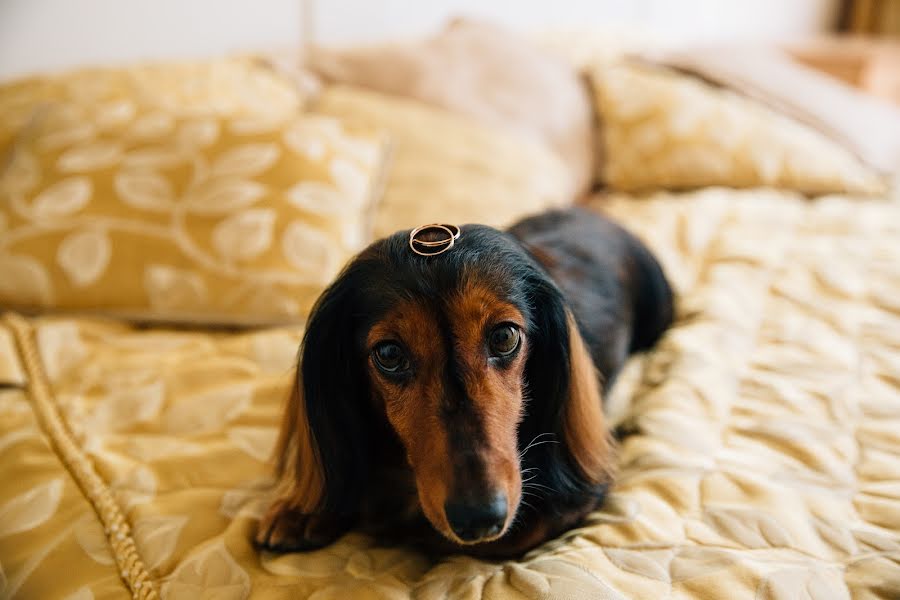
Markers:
point(284, 529)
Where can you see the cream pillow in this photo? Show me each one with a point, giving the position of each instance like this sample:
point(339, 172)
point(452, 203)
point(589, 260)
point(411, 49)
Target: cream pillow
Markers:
point(447, 168)
point(130, 209)
point(486, 73)
point(662, 129)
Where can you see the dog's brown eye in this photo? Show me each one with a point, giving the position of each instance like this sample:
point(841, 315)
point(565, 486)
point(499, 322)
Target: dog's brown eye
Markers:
point(390, 357)
point(504, 340)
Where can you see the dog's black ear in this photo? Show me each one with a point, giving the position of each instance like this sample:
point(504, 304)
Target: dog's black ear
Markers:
point(565, 402)
point(335, 390)
point(322, 451)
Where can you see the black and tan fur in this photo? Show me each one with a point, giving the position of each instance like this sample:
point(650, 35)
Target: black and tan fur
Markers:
point(513, 448)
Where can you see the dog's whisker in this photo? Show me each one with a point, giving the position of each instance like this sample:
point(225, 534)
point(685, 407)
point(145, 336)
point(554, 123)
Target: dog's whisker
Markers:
point(525, 472)
point(539, 436)
point(542, 442)
point(539, 485)
point(532, 494)
point(516, 522)
point(535, 496)
point(535, 442)
point(523, 503)
point(522, 455)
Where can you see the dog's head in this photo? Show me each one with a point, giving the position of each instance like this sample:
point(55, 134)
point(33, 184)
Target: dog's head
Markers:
point(469, 356)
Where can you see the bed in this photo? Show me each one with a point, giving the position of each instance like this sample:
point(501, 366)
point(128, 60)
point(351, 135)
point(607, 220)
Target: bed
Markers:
point(761, 455)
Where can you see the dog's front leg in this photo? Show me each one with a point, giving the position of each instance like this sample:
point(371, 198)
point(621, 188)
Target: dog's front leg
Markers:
point(286, 529)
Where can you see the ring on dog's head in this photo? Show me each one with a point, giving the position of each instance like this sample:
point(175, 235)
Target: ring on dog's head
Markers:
point(433, 247)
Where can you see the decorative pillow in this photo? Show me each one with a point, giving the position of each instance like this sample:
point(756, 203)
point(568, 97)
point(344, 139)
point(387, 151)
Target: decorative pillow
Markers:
point(666, 130)
point(141, 213)
point(446, 168)
point(228, 86)
point(486, 73)
point(864, 124)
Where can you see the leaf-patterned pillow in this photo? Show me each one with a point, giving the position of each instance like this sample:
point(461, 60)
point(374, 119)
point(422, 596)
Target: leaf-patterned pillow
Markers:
point(235, 85)
point(182, 216)
point(662, 129)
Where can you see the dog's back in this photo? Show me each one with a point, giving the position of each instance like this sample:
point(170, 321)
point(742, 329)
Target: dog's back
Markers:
point(615, 287)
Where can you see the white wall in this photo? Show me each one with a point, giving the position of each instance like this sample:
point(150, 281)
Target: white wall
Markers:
point(40, 35)
point(53, 34)
point(348, 21)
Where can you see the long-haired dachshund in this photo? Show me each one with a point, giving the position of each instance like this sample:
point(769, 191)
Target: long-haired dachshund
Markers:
point(449, 387)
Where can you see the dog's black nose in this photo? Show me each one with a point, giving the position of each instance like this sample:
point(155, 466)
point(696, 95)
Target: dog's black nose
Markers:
point(474, 521)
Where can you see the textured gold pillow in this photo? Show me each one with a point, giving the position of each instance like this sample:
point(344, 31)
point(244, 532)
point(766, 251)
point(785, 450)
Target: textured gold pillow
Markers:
point(447, 168)
point(227, 86)
point(136, 211)
point(662, 129)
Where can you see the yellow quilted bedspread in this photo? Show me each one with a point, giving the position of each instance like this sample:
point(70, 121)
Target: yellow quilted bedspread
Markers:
point(764, 461)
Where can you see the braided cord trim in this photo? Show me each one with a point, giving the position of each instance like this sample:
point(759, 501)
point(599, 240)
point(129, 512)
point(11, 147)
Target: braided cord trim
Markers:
point(118, 531)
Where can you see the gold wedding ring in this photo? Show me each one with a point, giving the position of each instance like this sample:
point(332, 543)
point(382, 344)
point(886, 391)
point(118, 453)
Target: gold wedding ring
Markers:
point(434, 247)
